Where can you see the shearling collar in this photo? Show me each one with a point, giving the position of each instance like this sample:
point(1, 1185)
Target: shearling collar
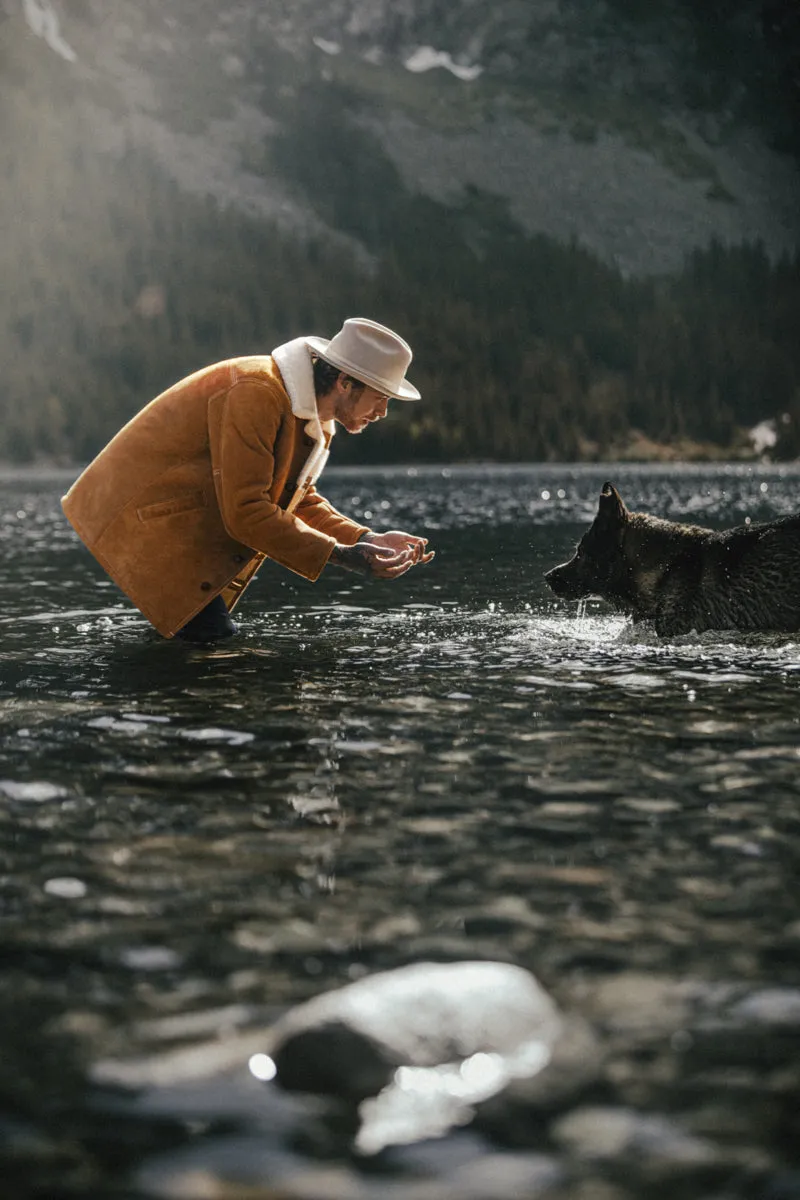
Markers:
point(294, 363)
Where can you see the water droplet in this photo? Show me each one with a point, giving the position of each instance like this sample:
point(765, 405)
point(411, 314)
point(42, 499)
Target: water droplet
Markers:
point(262, 1066)
point(35, 791)
point(233, 737)
point(66, 888)
point(149, 958)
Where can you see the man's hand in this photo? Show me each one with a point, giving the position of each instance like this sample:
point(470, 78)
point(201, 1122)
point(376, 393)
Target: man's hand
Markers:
point(395, 539)
point(382, 562)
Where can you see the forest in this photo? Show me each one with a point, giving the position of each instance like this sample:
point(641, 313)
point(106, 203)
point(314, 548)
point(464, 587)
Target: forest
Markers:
point(117, 283)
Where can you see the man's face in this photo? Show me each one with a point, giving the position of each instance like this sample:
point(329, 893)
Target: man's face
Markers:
point(357, 409)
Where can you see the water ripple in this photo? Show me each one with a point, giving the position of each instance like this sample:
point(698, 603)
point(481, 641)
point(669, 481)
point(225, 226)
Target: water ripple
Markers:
point(453, 765)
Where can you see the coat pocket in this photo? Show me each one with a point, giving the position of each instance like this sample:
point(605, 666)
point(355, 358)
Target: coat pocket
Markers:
point(184, 502)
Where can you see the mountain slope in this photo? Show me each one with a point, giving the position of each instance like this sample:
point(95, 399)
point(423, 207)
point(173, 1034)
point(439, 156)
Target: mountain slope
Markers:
point(185, 181)
point(641, 137)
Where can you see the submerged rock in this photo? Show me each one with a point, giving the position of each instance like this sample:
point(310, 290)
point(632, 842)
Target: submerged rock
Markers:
point(642, 1147)
point(418, 1047)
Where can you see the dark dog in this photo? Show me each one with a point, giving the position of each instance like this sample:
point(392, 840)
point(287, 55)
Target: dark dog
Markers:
point(685, 578)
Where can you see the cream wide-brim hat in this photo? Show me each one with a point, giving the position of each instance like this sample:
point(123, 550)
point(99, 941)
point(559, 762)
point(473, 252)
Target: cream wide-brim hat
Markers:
point(370, 353)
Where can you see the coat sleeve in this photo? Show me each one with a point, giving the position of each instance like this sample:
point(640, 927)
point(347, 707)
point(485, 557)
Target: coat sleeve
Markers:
point(320, 514)
point(250, 426)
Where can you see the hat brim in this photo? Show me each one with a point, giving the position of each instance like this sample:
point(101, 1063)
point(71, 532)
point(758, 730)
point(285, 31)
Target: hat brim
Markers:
point(406, 390)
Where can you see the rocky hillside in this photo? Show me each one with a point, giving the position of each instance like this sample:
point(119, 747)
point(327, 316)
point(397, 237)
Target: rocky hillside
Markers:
point(638, 131)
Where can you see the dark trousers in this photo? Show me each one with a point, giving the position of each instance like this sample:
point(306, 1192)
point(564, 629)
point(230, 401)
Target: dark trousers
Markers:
point(211, 624)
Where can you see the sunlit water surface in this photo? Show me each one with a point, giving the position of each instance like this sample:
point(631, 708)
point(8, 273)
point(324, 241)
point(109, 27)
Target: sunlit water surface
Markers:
point(375, 773)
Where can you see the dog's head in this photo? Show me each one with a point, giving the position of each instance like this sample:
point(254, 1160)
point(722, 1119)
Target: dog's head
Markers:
point(598, 565)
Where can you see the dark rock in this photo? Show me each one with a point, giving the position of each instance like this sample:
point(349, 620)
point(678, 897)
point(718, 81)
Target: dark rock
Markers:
point(334, 1059)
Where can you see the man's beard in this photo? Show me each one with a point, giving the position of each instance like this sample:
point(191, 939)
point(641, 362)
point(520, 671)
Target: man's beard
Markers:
point(352, 423)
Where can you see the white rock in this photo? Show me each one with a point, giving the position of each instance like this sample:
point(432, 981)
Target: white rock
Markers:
point(425, 58)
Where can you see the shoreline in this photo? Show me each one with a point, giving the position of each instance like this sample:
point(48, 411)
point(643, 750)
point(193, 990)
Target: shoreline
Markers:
point(9, 472)
point(635, 450)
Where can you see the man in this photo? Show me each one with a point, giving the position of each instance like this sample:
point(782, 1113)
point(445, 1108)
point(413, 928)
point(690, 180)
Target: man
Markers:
point(217, 473)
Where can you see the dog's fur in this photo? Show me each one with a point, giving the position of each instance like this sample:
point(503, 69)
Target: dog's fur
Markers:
point(685, 578)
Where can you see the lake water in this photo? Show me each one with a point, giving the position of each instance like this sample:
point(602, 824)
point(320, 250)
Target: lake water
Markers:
point(451, 765)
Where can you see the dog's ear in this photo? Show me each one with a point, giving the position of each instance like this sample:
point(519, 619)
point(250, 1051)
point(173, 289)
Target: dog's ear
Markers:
point(611, 505)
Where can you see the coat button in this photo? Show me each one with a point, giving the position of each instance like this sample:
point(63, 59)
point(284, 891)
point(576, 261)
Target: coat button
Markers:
point(205, 586)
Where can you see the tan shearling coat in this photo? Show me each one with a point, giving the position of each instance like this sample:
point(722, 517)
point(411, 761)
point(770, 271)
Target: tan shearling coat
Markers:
point(187, 500)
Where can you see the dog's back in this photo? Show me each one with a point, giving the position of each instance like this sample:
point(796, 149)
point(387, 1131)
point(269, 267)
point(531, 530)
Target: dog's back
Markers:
point(745, 578)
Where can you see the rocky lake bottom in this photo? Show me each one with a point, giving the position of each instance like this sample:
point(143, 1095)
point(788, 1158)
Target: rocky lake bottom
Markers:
point(451, 769)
